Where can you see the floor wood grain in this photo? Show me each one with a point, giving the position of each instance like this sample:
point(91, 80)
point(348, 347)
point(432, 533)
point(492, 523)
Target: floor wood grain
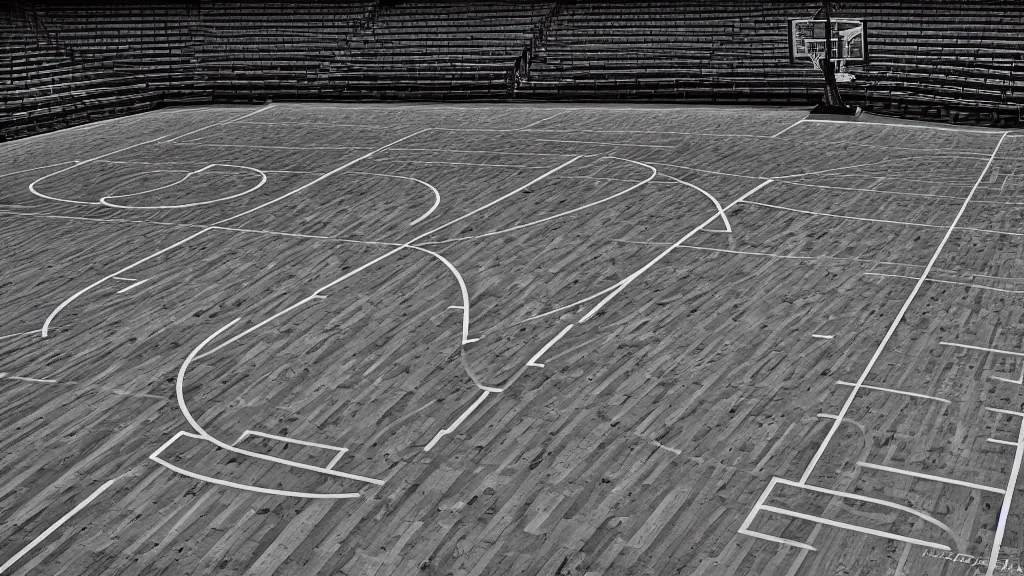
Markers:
point(524, 339)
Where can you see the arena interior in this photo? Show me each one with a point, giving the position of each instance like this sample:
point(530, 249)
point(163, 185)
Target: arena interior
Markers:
point(470, 288)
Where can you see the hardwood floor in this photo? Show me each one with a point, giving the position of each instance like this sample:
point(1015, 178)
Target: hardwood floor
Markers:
point(511, 339)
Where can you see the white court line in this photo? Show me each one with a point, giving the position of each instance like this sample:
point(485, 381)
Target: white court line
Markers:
point(1007, 412)
point(876, 191)
point(787, 128)
point(32, 185)
point(1005, 442)
point(829, 215)
point(893, 125)
point(46, 324)
point(605, 143)
point(227, 483)
point(776, 539)
point(260, 147)
point(446, 431)
point(510, 166)
point(823, 336)
point(127, 288)
point(675, 451)
point(229, 121)
point(896, 321)
point(336, 459)
point(53, 527)
point(651, 176)
point(180, 392)
point(707, 171)
point(260, 173)
point(1004, 511)
point(288, 440)
point(967, 284)
point(983, 349)
point(854, 527)
point(875, 163)
point(322, 177)
point(879, 501)
point(478, 151)
point(38, 168)
point(18, 334)
point(543, 120)
point(24, 379)
point(437, 195)
point(718, 206)
point(895, 391)
point(125, 279)
point(543, 350)
point(629, 279)
point(384, 256)
point(932, 477)
point(740, 252)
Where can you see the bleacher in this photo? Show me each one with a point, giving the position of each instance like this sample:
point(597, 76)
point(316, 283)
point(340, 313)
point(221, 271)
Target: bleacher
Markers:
point(46, 88)
point(254, 50)
point(439, 50)
point(70, 62)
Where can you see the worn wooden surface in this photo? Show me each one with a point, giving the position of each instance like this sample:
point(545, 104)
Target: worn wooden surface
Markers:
point(642, 443)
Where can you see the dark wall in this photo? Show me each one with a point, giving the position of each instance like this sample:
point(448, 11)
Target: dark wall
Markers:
point(72, 62)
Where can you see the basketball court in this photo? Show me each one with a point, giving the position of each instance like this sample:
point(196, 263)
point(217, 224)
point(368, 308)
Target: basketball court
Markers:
point(511, 339)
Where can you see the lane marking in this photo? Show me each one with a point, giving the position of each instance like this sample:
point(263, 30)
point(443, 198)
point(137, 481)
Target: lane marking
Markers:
point(38, 168)
point(932, 477)
point(1005, 442)
point(32, 185)
point(967, 284)
point(1002, 411)
point(776, 539)
point(228, 121)
point(894, 125)
point(24, 379)
point(19, 334)
point(227, 483)
point(542, 351)
point(286, 439)
point(263, 180)
point(981, 348)
point(823, 336)
point(323, 177)
point(718, 206)
point(629, 279)
point(56, 525)
point(787, 128)
point(894, 391)
point(651, 176)
point(896, 321)
point(127, 288)
point(607, 143)
point(437, 195)
point(446, 431)
point(830, 215)
point(408, 244)
point(541, 121)
point(337, 458)
point(179, 389)
point(854, 527)
point(1004, 511)
point(49, 319)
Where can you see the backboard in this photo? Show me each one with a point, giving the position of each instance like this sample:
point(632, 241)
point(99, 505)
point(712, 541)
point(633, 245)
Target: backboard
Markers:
point(849, 41)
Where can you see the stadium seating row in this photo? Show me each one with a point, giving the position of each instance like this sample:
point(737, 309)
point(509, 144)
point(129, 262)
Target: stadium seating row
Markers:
point(69, 62)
